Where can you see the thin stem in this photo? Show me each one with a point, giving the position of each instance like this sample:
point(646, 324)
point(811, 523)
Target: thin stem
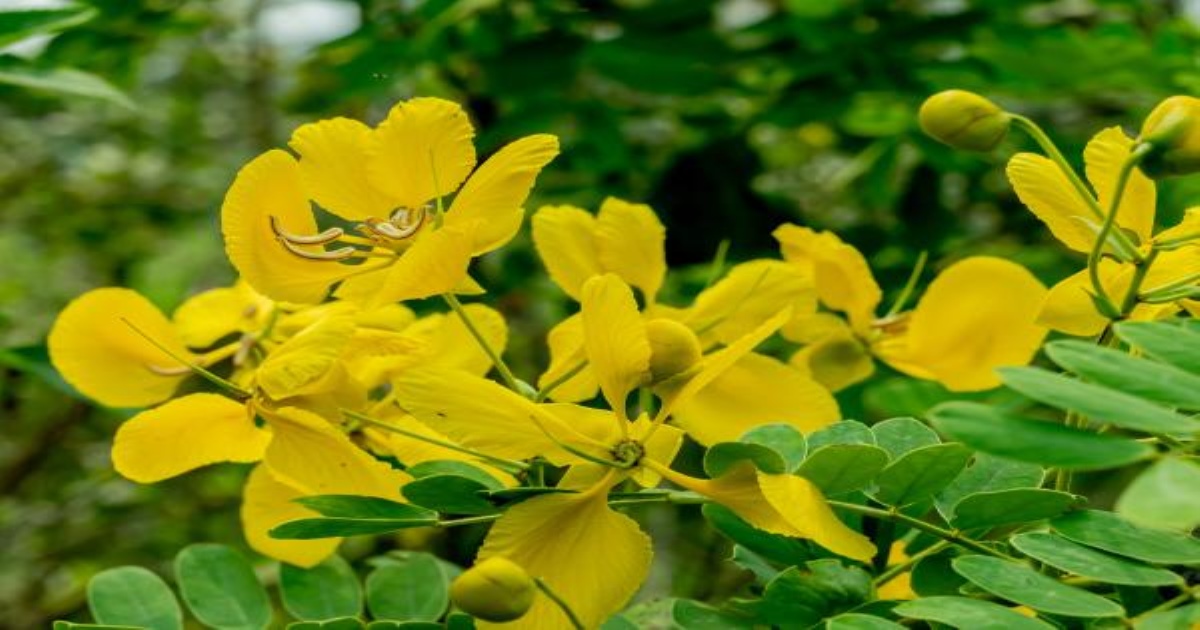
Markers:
point(718, 263)
point(544, 392)
point(1106, 228)
point(1135, 283)
point(506, 374)
point(507, 464)
point(467, 520)
point(909, 286)
point(901, 567)
point(229, 386)
point(1187, 280)
point(929, 528)
point(562, 605)
point(1063, 476)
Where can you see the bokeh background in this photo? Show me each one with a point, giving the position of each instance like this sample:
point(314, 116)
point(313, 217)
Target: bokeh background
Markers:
point(121, 129)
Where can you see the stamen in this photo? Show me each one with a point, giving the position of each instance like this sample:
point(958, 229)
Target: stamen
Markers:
point(332, 234)
point(168, 371)
point(337, 254)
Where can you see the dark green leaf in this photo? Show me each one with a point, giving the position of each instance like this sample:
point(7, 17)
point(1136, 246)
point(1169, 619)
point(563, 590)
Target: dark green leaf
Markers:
point(901, 435)
point(360, 507)
point(856, 621)
point(775, 547)
point(1178, 619)
point(841, 468)
point(449, 494)
point(314, 528)
point(1096, 402)
point(1107, 531)
point(413, 587)
point(1168, 342)
point(454, 467)
point(801, 597)
point(69, 625)
point(18, 24)
point(921, 473)
point(1073, 557)
point(1164, 495)
point(1009, 507)
point(220, 588)
point(724, 456)
point(1136, 376)
point(1021, 584)
point(326, 591)
point(692, 614)
point(781, 438)
point(133, 596)
point(844, 432)
point(986, 429)
point(516, 495)
point(988, 473)
point(969, 614)
point(933, 575)
point(754, 563)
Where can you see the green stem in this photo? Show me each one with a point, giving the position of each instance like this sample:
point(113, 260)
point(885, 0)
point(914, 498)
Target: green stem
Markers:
point(896, 569)
point(507, 464)
point(229, 386)
point(544, 392)
point(909, 286)
point(1106, 228)
point(562, 605)
point(953, 537)
point(1063, 476)
point(1135, 283)
point(718, 263)
point(506, 374)
point(1187, 280)
point(467, 520)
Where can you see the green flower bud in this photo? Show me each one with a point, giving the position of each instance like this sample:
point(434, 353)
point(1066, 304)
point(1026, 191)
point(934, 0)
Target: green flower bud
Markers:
point(674, 349)
point(964, 120)
point(1173, 132)
point(496, 589)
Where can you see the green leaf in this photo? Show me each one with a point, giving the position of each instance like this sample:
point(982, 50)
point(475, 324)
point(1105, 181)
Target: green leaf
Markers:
point(344, 623)
point(1164, 495)
point(1023, 585)
point(1096, 402)
point(696, 616)
point(799, 598)
point(413, 586)
point(856, 621)
point(933, 575)
point(326, 591)
point(841, 468)
point(901, 435)
point(782, 549)
point(1178, 619)
point(454, 467)
point(1107, 531)
point(1009, 507)
point(16, 25)
point(133, 596)
point(1167, 342)
point(220, 588)
point(360, 507)
point(843, 432)
point(404, 625)
point(1073, 557)
point(1136, 376)
point(314, 528)
point(969, 614)
point(70, 625)
point(986, 429)
point(68, 81)
point(459, 621)
point(920, 473)
point(725, 455)
point(988, 473)
point(449, 494)
point(781, 438)
point(509, 496)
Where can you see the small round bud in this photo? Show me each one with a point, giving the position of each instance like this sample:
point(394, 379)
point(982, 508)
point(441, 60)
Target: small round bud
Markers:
point(496, 589)
point(964, 120)
point(674, 349)
point(1173, 132)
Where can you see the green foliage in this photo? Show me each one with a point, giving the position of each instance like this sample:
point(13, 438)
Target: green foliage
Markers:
point(133, 596)
point(413, 586)
point(326, 591)
point(220, 588)
point(1023, 585)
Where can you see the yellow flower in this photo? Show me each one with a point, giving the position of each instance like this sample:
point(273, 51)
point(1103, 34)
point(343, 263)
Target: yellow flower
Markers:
point(389, 182)
point(976, 316)
point(627, 240)
point(1044, 189)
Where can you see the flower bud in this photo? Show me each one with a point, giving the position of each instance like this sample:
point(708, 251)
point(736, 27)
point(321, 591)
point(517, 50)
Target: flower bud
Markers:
point(1173, 132)
point(964, 120)
point(496, 589)
point(674, 349)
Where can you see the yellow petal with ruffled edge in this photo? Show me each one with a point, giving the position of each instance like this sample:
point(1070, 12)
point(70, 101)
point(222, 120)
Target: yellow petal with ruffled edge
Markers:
point(423, 150)
point(333, 159)
point(565, 240)
point(590, 556)
point(567, 354)
point(843, 279)
point(449, 344)
point(483, 415)
point(614, 337)
point(836, 361)
point(103, 357)
point(630, 242)
point(1047, 192)
point(1068, 306)
point(185, 434)
point(435, 264)
point(1103, 157)
point(269, 186)
point(977, 315)
point(268, 502)
point(755, 390)
point(208, 316)
point(495, 194)
point(314, 456)
point(1187, 228)
point(751, 292)
point(295, 367)
point(802, 505)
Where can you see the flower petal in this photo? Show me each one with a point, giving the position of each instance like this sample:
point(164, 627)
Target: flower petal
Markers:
point(567, 353)
point(751, 292)
point(208, 316)
point(422, 151)
point(615, 338)
point(565, 240)
point(1068, 306)
point(1103, 157)
point(435, 264)
point(801, 504)
point(269, 186)
point(185, 434)
point(630, 242)
point(755, 390)
point(843, 279)
point(333, 159)
point(449, 344)
point(301, 362)
point(593, 558)
point(495, 194)
point(1047, 192)
point(1188, 227)
point(94, 346)
point(267, 502)
point(412, 451)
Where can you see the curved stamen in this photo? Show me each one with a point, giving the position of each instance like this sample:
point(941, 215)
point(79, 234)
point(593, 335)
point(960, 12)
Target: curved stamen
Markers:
point(168, 371)
point(337, 254)
point(328, 236)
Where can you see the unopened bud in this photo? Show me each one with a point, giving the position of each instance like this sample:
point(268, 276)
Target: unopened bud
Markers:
point(1173, 132)
point(674, 349)
point(496, 589)
point(964, 120)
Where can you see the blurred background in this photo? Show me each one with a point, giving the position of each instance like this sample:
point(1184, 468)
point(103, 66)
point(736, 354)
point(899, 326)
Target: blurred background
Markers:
point(122, 123)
